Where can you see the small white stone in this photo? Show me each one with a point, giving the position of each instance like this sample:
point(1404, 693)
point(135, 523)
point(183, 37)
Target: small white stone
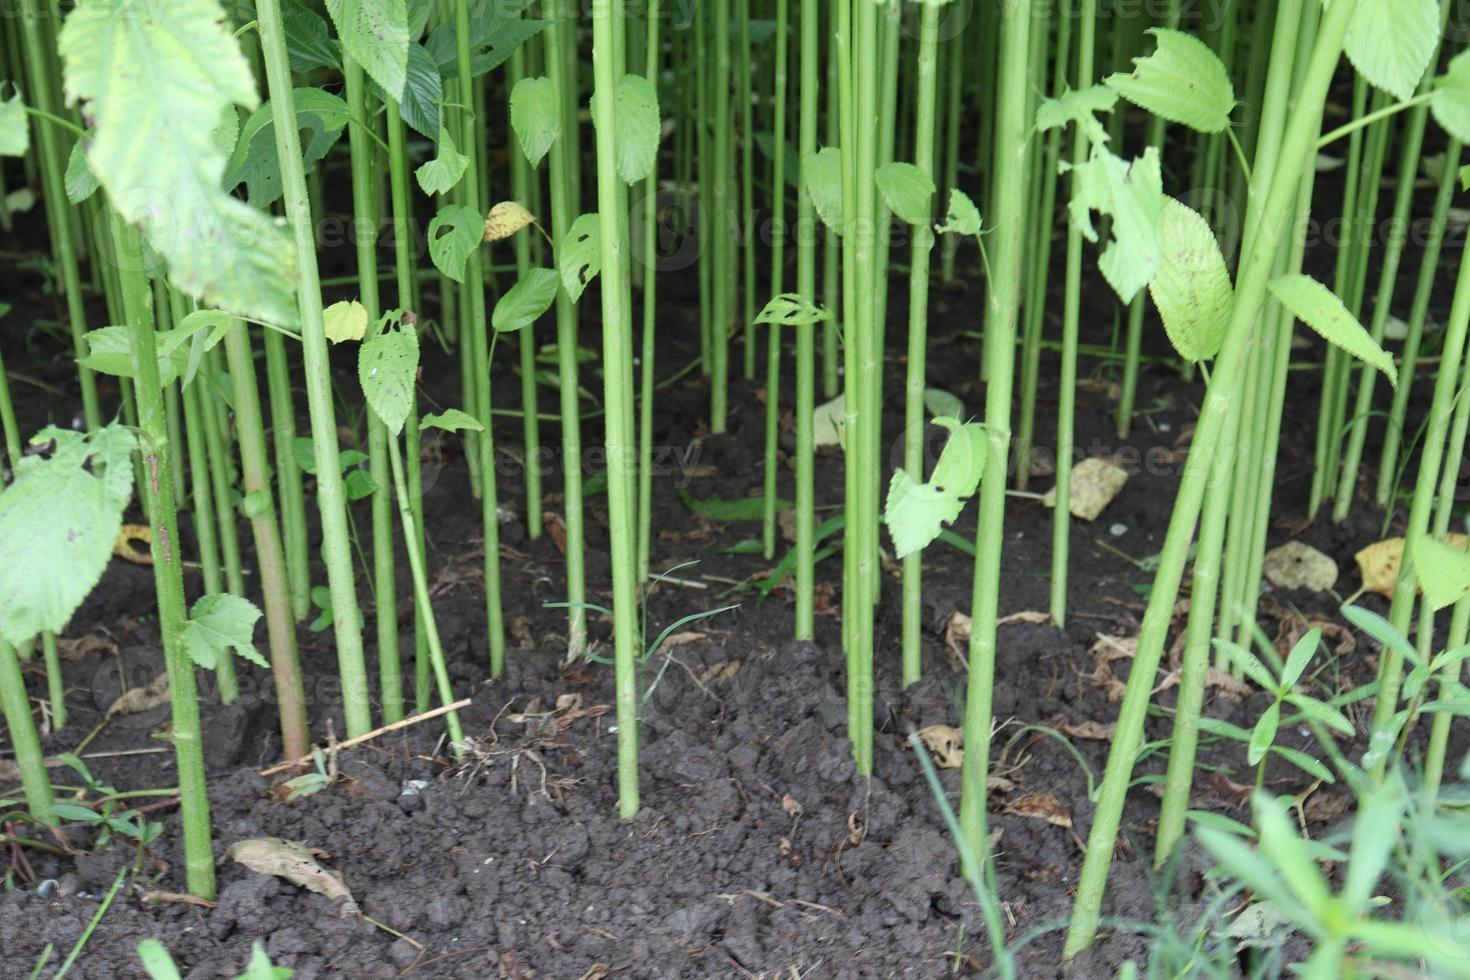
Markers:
point(1118, 530)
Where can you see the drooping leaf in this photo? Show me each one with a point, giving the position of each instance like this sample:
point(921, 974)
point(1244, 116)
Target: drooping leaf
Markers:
point(1182, 81)
point(1443, 570)
point(442, 173)
point(423, 91)
point(1080, 107)
point(636, 128)
point(451, 420)
point(962, 217)
point(320, 115)
point(1451, 100)
point(156, 87)
point(1133, 194)
point(790, 310)
point(345, 320)
point(822, 173)
point(387, 368)
point(579, 257)
point(505, 219)
point(15, 132)
point(454, 233)
point(1192, 288)
point(1319, 308)
point(374, 34)
point(309, 43)
point(218, 624)
point(907, 191)
point(110, 349)
point(1391, 42)
point(80, 181)
point(535, 115)
point(916, 512)
point(522, 303)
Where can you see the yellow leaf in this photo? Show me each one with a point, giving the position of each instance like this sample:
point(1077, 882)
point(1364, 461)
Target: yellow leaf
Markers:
point(345, 320)
point(505, 219)
point(1379, 563)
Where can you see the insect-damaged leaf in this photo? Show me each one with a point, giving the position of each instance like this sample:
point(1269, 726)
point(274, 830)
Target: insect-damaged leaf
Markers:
point(1192, 287)
point(916, 512)
point(906, 190)
point(525, 301)
point(1078, 107)
point(1391, 42)
point(535, 115)
point(821, 172)
point(1183, 81)
point(374, 34)
point(790, 310)
point(962, 218)
point(157, 88)
point(454, 233)
point(387, 368)
point(218, 624)
point(1133, 194)
point(1319, 308)
point(579, 257)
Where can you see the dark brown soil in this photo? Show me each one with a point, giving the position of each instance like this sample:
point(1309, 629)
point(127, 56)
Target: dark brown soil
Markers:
point(758, 851)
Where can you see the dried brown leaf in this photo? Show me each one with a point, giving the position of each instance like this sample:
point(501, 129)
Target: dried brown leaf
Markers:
point(1094, 730)
point(1025, 616)
point(1040, 806)
point(946, 744)
point(136, 700)
point(293, 862)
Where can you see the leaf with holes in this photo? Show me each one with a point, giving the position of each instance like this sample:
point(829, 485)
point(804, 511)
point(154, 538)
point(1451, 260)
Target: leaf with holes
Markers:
point(962, 218)
point(907, 191)
point(441, 174)
point(522, 303)
point(917, 512)
point(821, 172)
point(1192, 288)
point(579, 257)
point(387, 367)
point(1080, 107)
point(1391, 42)
point(497, 28)
point(374, 34)
point(218, 624)
point(535, 115)
point(1319, 308)
point(1182, 81)
point(454, 234)
point(1133, 194)
point(790, 310)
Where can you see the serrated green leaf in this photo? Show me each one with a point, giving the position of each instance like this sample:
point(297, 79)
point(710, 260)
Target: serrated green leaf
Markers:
point(790, 310)
point(80, 182)
point(345, 320)
point(309, 44)
point(423, 91)
point(1133, 194)
point(821, 172)
point(1443, 571)
point(496, 30)
point(1319, 308)
point(579, 255)
point(387, 369)
point(1182, 81)
point(962, 218)
point(637, 127)
point(1192, 288)
point(535, 115)
point(441, 174)
point(907, 191)
point(15, 131)
point(451, 420)
point(218, 624)
point(522, 303)
point(454, 234)
point(374, 34)
point(320, 116)
point(1391, 42)
point(916, 512)
point(1450, 102)
point(1078, 107)
point(156, 88)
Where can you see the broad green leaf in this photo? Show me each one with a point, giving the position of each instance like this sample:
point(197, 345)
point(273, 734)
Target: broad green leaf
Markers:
point(423, 91)
point(374, 34)
point(1443, 571)
point(1391, 42)
point(916, 512)
point(359, 484)
point(309, 43)
point(59, 521)
point(637, 127)
point(1450, 102)
point(1263, 734)
point(579, 256)
point(110, 351)
point(790, 310)
point(1319, 308)
point(496, 29)
point(522, 303)
point(1183, 81)
point(822, 173)
point(79, 180)
point(454, 234)
point(320, 116)
point(1078, 107)
point(940, 402)
point(1134, 195)
point(907, 191)
point(962, 218)
point(345, 320)
point(443, 172)
point(1192, 287)
point(218, 624)
point(15, 132)
point(156, 87)
point(387, 369)
point(451, 420)
point(535, 115)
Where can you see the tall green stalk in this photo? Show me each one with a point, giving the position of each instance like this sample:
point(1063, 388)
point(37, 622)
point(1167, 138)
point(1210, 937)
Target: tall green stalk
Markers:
point(718, 215)
point(520, 184)
point(778, 255)
point(653, 55)
point(24, 742)
point(806, 288)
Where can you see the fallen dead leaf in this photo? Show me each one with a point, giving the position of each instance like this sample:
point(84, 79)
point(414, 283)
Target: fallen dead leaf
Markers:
point(597, 971)
point(946, 744)
point(1040, 806)
point(1095, 730)
point(125, 548)
point(78, 647)
point(680, 639)
point(1379, 563)
point(1297, 565)
point(789, 852)
point(293, 862)
point(722, 671)
point(1106, 649)
point(1228, 685)
point(520, 631)
point(1025, 616)
point(136, 700)
point(556, 528)
point(569, 702)
point(1095, 482)
point(786, 520)
point(1324, 807)
point(957, 637)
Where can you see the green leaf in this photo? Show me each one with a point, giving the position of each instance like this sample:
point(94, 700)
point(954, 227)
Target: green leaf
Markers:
point(1192, 288)
point(962, 218)
point(1450, 102)
point(1134, 195)
point(261, 968)
point(496, 29)
point(916, 512)
point(79, 180)
point(940, 402)
point(454, 234)
point(255, 503)
point(15, 131)
point(637, 127)
point(1381, 630)
point(423, 91)
point(156, 961)
point(1078, 107)
point(1319, 308)
point(1283, 848)
point(443, 172)
point(359, 484)
point(220, 623)
point(308, 42)
point(790, 310)
point(1321, 712)
point(1183, 81)
point(1443, 571)
point(320, 116)
point(535, 115)
point(387, 369)
point(109, 351)
point(345, 320)
point(451, 420)
point(822, 173)
point(579, 256)
point(374, 34)
point(157, 87)
point(1247, 662)
point(1244, 863)
point(1301, 654)
point(907, 191)
point(522, 303)
point(1391, 42)
point(1305, 763)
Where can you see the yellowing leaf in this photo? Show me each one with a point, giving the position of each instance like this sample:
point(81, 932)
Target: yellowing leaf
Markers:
point(505, 219)
point(345, 320)
point(1379, 563)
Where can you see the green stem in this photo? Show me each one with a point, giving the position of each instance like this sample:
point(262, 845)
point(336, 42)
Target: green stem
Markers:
point(718, 214)
point(650, 321)
point(773, 340)
point(806, 287)
point(520, 183)
point(23, 739)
